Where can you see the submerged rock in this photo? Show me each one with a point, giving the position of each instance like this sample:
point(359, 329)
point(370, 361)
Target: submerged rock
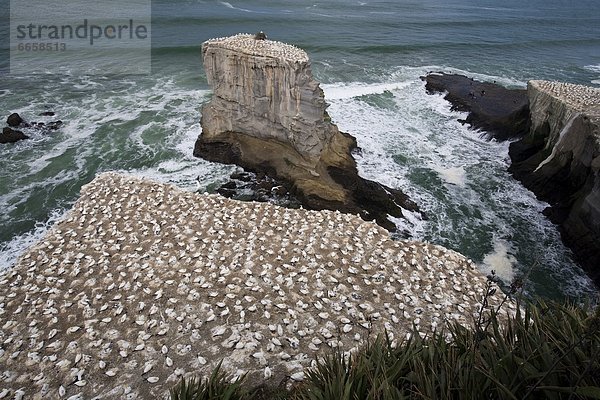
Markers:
point(268, 114)
point(10, 135)
point(559, 160)
point(501, 113)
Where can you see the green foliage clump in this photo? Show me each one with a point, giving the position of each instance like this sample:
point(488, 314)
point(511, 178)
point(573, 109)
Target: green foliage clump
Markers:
point(217, 386)
point(545, 351)
point(549, 351)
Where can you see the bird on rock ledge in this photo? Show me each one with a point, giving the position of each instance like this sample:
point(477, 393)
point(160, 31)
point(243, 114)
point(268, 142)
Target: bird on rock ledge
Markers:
point(260, 36)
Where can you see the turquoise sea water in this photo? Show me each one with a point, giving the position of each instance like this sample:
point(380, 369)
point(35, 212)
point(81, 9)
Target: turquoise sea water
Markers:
point(369, 56)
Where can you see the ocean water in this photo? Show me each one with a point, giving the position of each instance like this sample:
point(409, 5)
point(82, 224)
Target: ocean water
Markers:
point(369, 56)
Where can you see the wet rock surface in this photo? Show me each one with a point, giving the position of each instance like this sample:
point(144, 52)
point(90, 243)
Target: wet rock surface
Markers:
point(18, 129)
point(10, 135)
point(248, 186)
point(502, 114)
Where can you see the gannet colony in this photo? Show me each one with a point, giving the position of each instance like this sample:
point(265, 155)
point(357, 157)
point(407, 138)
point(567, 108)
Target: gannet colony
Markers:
point(578, 97)
point(142, 283)
point(247, 44)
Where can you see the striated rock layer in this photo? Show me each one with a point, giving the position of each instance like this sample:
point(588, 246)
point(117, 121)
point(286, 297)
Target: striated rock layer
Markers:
point(268, 114)
point(559, 160)
point(143, 283)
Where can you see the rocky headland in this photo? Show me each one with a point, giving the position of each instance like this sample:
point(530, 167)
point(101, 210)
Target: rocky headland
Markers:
point(142, 283)
point(559, 160)
point(557, 152)
point(500, 113)
point(268, 115)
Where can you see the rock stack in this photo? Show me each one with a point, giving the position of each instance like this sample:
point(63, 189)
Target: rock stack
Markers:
point(268, 114)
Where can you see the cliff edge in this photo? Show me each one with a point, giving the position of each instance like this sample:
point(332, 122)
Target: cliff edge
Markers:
point(268, 114)
point(559, 160)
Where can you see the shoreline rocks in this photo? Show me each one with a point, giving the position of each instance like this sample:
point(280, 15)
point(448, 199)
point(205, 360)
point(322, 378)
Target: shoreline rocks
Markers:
point(142, 283)
point(10, 135)
point(503, 114)
point(557, 155)
point(14, 120)
point(268, 115)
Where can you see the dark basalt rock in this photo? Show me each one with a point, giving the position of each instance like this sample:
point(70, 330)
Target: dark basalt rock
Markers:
point(249, 186)
point(369, 199)
point(14, 120)
point(10, 135)
point(502, 114)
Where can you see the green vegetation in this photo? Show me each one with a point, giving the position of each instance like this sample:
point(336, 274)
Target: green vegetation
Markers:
point(545, 351)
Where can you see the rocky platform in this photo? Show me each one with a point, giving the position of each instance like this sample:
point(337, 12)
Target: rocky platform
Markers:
point(142, 283)
point(268, 115)
point(500, 113)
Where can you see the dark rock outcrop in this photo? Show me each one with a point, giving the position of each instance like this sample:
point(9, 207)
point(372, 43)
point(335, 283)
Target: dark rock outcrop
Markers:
point(10, 135)
point(501, 113)
point(268, 115)
point(14, 120)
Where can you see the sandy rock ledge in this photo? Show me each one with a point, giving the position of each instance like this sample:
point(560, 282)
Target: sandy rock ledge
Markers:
point(143, 283)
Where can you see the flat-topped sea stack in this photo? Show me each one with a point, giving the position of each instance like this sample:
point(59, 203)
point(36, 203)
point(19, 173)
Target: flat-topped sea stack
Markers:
point(268, 114)
point(559, 160)
point(142, 283)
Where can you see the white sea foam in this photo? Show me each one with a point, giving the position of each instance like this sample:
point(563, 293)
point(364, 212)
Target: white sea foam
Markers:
point(453, 175)
point(12, 250)
point(459, 179)
point(231, 6)
point(501, 261)
point(338, 91)
point(595, 69)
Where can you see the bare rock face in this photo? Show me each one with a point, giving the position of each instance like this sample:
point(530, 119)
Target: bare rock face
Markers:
point(559, 160)
point(268, 114)
point(264, 89)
